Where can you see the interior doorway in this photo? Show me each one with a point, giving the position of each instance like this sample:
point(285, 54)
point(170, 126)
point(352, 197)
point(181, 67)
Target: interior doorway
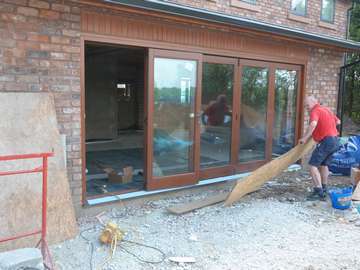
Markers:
point(114, 118)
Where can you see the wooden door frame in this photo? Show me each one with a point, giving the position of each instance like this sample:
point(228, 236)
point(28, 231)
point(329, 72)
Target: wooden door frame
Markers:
point(190, 178)
point(83, 40)
point(273, 66)
point(242, 58)
point(224, 169)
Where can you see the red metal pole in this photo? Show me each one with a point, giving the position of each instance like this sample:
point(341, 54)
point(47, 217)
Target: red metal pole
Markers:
point(44, 198)
point(19, 236)
point(38, 169)
point(25, 156)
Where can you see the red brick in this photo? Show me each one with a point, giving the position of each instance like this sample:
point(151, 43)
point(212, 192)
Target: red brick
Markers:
point(19, 35)
point(59, 56)
point(49, 14)
point(50, 47)
point(28, 11)
point(16, 86)
point(37, 37)
point(39, 4)
point(60, 7)
point(25, 26)
point(16, 2)
point(9, 17)
point(8, 43)
point(75, 10)
point(70, 33)
point(60, 39)
point(71, 49)
point(71, 17)
point(7, 78)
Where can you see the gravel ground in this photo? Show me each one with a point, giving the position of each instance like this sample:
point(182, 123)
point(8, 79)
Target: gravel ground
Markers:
point(273, 228)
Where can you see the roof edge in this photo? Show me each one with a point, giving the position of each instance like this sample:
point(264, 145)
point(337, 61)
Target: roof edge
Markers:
point(212, 16)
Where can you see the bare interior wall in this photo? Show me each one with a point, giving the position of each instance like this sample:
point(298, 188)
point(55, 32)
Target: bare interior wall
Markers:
point(108, 111)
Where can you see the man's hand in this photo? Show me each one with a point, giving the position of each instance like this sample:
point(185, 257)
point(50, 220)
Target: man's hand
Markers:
point(308, 132)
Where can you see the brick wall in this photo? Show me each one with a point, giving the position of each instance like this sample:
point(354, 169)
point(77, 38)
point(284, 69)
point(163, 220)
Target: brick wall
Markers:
point(276, 12)
point(40, 51)
point(322, 78)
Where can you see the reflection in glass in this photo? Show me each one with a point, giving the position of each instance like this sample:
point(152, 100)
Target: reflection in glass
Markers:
point(254, 96)
point(328, 10)
point(216, 107)
point(298, 7)
point(286, 85)
point(173, 122)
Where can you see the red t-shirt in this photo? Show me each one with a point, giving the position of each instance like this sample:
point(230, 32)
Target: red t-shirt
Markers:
point(326, 122)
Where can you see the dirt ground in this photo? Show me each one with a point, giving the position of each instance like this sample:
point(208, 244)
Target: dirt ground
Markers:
point(273, 228)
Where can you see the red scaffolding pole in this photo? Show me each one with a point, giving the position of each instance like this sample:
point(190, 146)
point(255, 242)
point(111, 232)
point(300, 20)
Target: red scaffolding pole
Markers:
point(44, 170)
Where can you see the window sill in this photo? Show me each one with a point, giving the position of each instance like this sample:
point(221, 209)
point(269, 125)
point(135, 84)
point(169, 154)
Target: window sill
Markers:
point(327, 25)
point(299, 18)
point(243, 5)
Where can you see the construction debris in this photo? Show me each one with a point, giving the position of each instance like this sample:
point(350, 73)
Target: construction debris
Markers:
point(261, 175)
point(114, 176)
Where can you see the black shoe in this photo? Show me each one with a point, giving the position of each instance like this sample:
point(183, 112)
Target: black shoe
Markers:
point(317, 195)
point(325, 189)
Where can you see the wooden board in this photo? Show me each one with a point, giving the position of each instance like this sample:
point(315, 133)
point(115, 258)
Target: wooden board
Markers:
point(356, 194)
point(29, 125)
point(188, 207)
point(266, 172)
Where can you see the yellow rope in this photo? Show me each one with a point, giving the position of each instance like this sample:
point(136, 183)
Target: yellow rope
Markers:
point(111, 235)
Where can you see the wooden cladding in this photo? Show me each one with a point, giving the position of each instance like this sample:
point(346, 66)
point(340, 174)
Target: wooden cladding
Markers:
point(198, 38)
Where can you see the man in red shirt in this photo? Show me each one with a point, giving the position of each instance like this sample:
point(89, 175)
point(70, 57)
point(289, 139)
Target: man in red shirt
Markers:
point(322, 128)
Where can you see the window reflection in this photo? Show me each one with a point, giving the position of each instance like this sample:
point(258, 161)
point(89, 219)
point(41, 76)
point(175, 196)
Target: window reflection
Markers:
point(254, 96)
point(286, 85)
point(216, 116)
point(173, 122)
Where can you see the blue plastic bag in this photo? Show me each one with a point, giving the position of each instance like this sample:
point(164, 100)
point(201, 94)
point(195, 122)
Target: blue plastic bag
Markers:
point(347, 156)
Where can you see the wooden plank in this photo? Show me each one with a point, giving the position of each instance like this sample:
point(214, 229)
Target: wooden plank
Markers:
point(356, 194)
point(250, 183)
point(188, 207)
point(263, 174)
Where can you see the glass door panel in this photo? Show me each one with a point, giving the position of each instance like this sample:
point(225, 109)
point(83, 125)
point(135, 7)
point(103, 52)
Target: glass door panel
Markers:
point(216, 114)
point(286, 94)
point(253, 113)
point(174, 116)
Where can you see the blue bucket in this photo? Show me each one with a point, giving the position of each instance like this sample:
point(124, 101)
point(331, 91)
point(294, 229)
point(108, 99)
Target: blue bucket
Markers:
point(341, 197)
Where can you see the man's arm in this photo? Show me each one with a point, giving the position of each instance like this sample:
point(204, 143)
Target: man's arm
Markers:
point(337, 120)
point(308, 132)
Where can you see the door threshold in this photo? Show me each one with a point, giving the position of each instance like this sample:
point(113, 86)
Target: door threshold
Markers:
point(143, 193)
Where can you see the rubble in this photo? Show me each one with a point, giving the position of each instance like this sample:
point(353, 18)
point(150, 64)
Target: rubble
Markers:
point(262, 231)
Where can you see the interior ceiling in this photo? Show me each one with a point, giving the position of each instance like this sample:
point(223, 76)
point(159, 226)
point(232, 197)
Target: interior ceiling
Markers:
point(127, 55)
